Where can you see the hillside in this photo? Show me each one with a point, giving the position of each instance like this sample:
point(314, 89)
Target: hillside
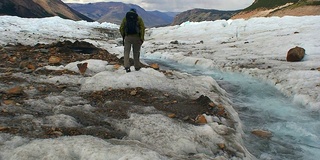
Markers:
point(114, 12)
point(39, 9)
point(267, 8)
point(197, 15)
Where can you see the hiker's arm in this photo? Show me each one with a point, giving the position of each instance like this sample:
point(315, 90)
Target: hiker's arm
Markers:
point(122, 28)
point(142, 28)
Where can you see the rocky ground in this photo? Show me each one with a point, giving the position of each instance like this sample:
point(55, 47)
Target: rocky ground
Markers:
point(114, 103)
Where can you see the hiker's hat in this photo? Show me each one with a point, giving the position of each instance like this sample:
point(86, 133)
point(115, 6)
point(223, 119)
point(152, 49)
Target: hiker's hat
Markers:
point(133, 10)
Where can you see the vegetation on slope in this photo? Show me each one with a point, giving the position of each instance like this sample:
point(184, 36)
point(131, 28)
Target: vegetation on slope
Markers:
point(268, 4)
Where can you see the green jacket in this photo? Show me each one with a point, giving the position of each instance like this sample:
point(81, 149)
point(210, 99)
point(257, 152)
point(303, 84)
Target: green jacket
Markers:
point(141, 27)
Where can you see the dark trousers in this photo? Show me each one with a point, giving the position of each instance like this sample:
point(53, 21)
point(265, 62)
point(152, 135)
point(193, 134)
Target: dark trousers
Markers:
point(134, 42)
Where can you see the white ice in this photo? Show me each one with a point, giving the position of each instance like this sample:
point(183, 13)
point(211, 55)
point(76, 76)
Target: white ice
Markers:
point(221, 44)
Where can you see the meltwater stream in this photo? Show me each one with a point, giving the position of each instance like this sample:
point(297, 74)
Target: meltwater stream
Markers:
point(296, 130)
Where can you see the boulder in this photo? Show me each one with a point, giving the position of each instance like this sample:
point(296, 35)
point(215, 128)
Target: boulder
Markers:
point(295, 54)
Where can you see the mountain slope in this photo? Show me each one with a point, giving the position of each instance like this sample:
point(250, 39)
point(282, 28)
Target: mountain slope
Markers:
point(39, 9)
point(267, 8)
point(115, 11)
point(197, 15)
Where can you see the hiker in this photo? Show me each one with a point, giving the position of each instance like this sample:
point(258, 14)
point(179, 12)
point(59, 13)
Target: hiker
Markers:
point(132, 30)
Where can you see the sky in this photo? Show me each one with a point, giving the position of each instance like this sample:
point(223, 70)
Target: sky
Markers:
point(178, 5)
point(253, 48)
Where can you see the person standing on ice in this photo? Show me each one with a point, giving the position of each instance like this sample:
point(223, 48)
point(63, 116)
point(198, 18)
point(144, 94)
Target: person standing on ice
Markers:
point(132, 30)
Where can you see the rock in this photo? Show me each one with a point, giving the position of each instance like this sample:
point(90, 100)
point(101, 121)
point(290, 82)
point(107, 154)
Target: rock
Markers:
point(54, 60)
point(16, 90)
point(204, 100)
point(116, 66)
point(186, 118)
point(3, 128)
point(261, 133)
point(12, 59)
point(211, 104)
point(27, 64)
point(155, 66)
point(8, 102)
point(133, 92)
point(171, 115)
point(295, 54)
point(174, 42)
point(82, 67)
point(318, 68)
point(201, 119)
point(221, 145)
point(31, 67)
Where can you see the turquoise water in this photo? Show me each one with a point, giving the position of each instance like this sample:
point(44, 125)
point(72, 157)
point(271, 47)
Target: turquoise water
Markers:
point(296, 130)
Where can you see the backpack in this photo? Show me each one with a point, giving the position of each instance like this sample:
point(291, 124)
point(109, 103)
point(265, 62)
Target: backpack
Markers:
point(132, 26)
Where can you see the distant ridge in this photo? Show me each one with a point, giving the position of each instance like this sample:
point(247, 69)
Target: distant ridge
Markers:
point(268, 8)
point(39, 9)
point(115, 11)
point(198, 15)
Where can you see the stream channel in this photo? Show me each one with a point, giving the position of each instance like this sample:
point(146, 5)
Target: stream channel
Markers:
point(295, 130)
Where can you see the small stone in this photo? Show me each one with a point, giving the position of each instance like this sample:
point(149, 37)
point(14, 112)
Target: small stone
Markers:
point(261, 133)
point(16, 90)
point(171, 115)
point(155, 66)
point(8, 102)
point(82, 67)
point(57, 133)
point(186, 118)
point(133, 92)
point(3, 128)
point(116, 66)
point(295, 54)
point(221, 145)
point(31, 67)
point(211, 104)
point(12, 59)
point(201, 119)
point(54, 60)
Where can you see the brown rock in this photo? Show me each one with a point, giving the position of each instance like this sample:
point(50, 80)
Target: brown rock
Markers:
point(16, 90)
point(155, 66)
point(8, 102)
point(3, 128)
point(133, 92)
point(221, 111)
point(13, 59)
point(201, 119)
point(261, 133)
point(295, 54)
point(211, 104)
point(116, 66)
point(318, 68)
point(31, 67)
point(54, 60)
point(221, 145)
point(82, 67)
point(171, 115)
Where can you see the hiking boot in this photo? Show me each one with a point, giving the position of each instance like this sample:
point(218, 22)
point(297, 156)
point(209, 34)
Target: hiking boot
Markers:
point(127, 70)
point(137, 69)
